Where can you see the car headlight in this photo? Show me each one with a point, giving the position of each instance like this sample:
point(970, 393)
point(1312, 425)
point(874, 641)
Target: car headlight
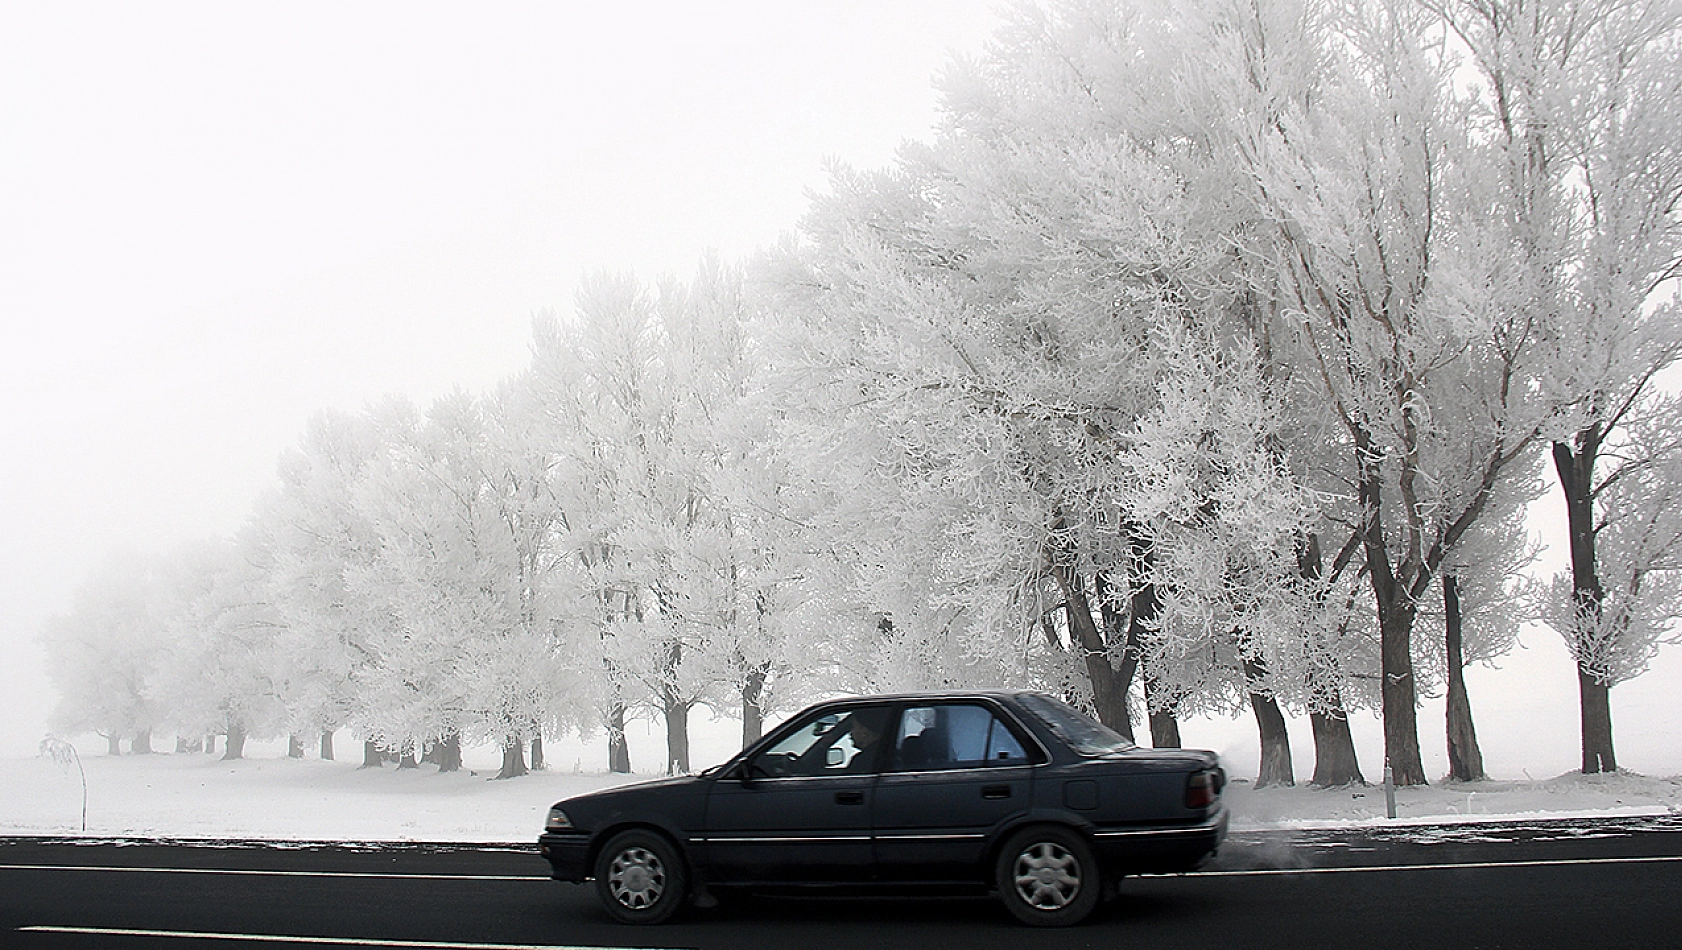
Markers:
point(557, 821)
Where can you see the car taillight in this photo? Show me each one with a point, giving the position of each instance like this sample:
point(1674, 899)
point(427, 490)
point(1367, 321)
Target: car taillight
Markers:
point(1202, 789)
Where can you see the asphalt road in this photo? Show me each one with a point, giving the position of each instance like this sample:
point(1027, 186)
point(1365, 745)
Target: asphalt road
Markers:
point(1549, 884)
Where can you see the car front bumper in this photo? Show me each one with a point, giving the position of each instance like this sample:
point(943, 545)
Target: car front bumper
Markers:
point(568, 855)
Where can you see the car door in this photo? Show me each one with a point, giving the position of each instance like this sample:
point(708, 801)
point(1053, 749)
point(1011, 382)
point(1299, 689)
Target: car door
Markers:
point(799, 810)
point(956, 770)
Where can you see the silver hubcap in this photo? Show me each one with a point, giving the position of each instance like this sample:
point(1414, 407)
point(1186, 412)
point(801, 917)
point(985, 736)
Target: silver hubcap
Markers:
point(1047, 876)
point(637, 878)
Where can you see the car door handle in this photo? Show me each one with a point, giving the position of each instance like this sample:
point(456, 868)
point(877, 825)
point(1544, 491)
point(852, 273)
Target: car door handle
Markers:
point(849, 798)
point(995, 791)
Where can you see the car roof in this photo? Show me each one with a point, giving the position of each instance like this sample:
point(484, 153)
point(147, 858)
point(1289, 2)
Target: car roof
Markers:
point(928, 694)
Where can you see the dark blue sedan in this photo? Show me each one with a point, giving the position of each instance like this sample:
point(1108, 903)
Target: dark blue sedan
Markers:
point(1011, 790)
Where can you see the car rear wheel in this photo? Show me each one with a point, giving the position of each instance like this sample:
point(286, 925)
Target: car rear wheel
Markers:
point(1047, 876)
point(640, 878)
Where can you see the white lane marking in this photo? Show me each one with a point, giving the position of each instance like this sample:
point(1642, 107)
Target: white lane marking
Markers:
point(260, 873)
point(282, 938)
point(1554, 862)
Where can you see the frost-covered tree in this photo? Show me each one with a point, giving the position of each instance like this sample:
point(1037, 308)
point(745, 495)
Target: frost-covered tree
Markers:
point(310, 534)
point(986, 326)
point(103, 656)
point(1583, 99)
point(1636, 543)
point(670, 503)
point(1379, 200)
point(219, 675)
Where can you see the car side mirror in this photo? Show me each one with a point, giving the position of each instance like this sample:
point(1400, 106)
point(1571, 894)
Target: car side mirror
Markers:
point(834, 758)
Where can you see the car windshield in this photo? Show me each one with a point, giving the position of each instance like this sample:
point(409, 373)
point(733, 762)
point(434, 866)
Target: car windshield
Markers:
point(1084, 734)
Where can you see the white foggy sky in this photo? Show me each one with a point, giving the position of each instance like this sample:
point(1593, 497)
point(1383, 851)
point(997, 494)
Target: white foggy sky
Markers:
point(217, 219)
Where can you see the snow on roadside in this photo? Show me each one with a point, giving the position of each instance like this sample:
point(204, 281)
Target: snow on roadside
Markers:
point(200, 796)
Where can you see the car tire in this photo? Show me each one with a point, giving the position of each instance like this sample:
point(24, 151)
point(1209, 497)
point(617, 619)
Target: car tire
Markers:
point(640, 877)
point(1047, 876)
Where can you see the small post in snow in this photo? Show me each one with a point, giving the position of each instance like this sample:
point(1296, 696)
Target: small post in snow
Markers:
point(1389, 790)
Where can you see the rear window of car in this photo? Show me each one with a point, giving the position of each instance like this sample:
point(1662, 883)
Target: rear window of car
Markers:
point(1081, 732)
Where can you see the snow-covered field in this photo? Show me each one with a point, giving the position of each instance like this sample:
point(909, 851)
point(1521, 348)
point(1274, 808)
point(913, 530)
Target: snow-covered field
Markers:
point(273, 797)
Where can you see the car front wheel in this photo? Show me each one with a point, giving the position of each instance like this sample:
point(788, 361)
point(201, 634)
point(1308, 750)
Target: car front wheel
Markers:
point(640, 878)
point(1047, 876)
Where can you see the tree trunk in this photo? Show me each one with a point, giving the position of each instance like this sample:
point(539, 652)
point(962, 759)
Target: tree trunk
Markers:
point(1275, 743)
point(326, 745)
point(1165, 724)
point(406, 757)
point(114, 744)
point(236, 744)
point(513, 758)
point(181, 745)
point(210, 744)
point(537, 753)
point(142, 743)
point(753, 709)
point(1575, 467)
point(1395, 624)
point(371, 755)
point(1108, 699)
point(618, 749)
point(447, 753)
point(1465, 761)
point(677, 736)
point(1165, 729)
point(294, 747)
point(1141, 609)
point(1597, 724)
point(1334, 749)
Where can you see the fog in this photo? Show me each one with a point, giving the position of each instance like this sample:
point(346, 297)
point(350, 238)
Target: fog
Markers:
point(218, 220)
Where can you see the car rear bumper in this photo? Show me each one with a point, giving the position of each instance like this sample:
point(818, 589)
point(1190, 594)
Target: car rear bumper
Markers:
point(567, 856)
point(1158, 848)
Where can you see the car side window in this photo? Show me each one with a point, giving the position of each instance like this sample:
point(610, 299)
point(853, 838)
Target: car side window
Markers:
point(953, 736)
point(843, 742)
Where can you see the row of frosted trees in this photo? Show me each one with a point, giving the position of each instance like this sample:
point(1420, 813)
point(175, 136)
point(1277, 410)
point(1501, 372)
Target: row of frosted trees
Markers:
point(1205, 359)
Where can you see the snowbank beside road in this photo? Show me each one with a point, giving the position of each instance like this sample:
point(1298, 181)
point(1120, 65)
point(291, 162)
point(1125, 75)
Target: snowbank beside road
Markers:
point(199, 796)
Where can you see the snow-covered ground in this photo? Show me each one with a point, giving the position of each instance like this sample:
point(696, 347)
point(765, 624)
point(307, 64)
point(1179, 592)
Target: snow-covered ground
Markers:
point(269, 796)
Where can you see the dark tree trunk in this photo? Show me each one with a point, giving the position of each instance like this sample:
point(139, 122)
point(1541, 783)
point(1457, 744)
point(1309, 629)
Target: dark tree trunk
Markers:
point(114, 744)
point(513, 758)
point(1334, 749)
point(294, 747)
point(1334, 746)
point(1165, 729)
point(236, 744)
point(406, 757)
point(210, 745)
point(1574, 464)
point(753, 709)
point(1142, 602)
point(677, 736)
point(1275, 743)
point(372, 757)
point(142, 742)
point(1108, 698)
point(1597, 724)
point(1395, 625)
point(618, 749)
point(537, 753)
point(447, 753)
point(326, 745)
point(181, 745)
point(1465, 761)
point(1276, 768)
point(1165, 724)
